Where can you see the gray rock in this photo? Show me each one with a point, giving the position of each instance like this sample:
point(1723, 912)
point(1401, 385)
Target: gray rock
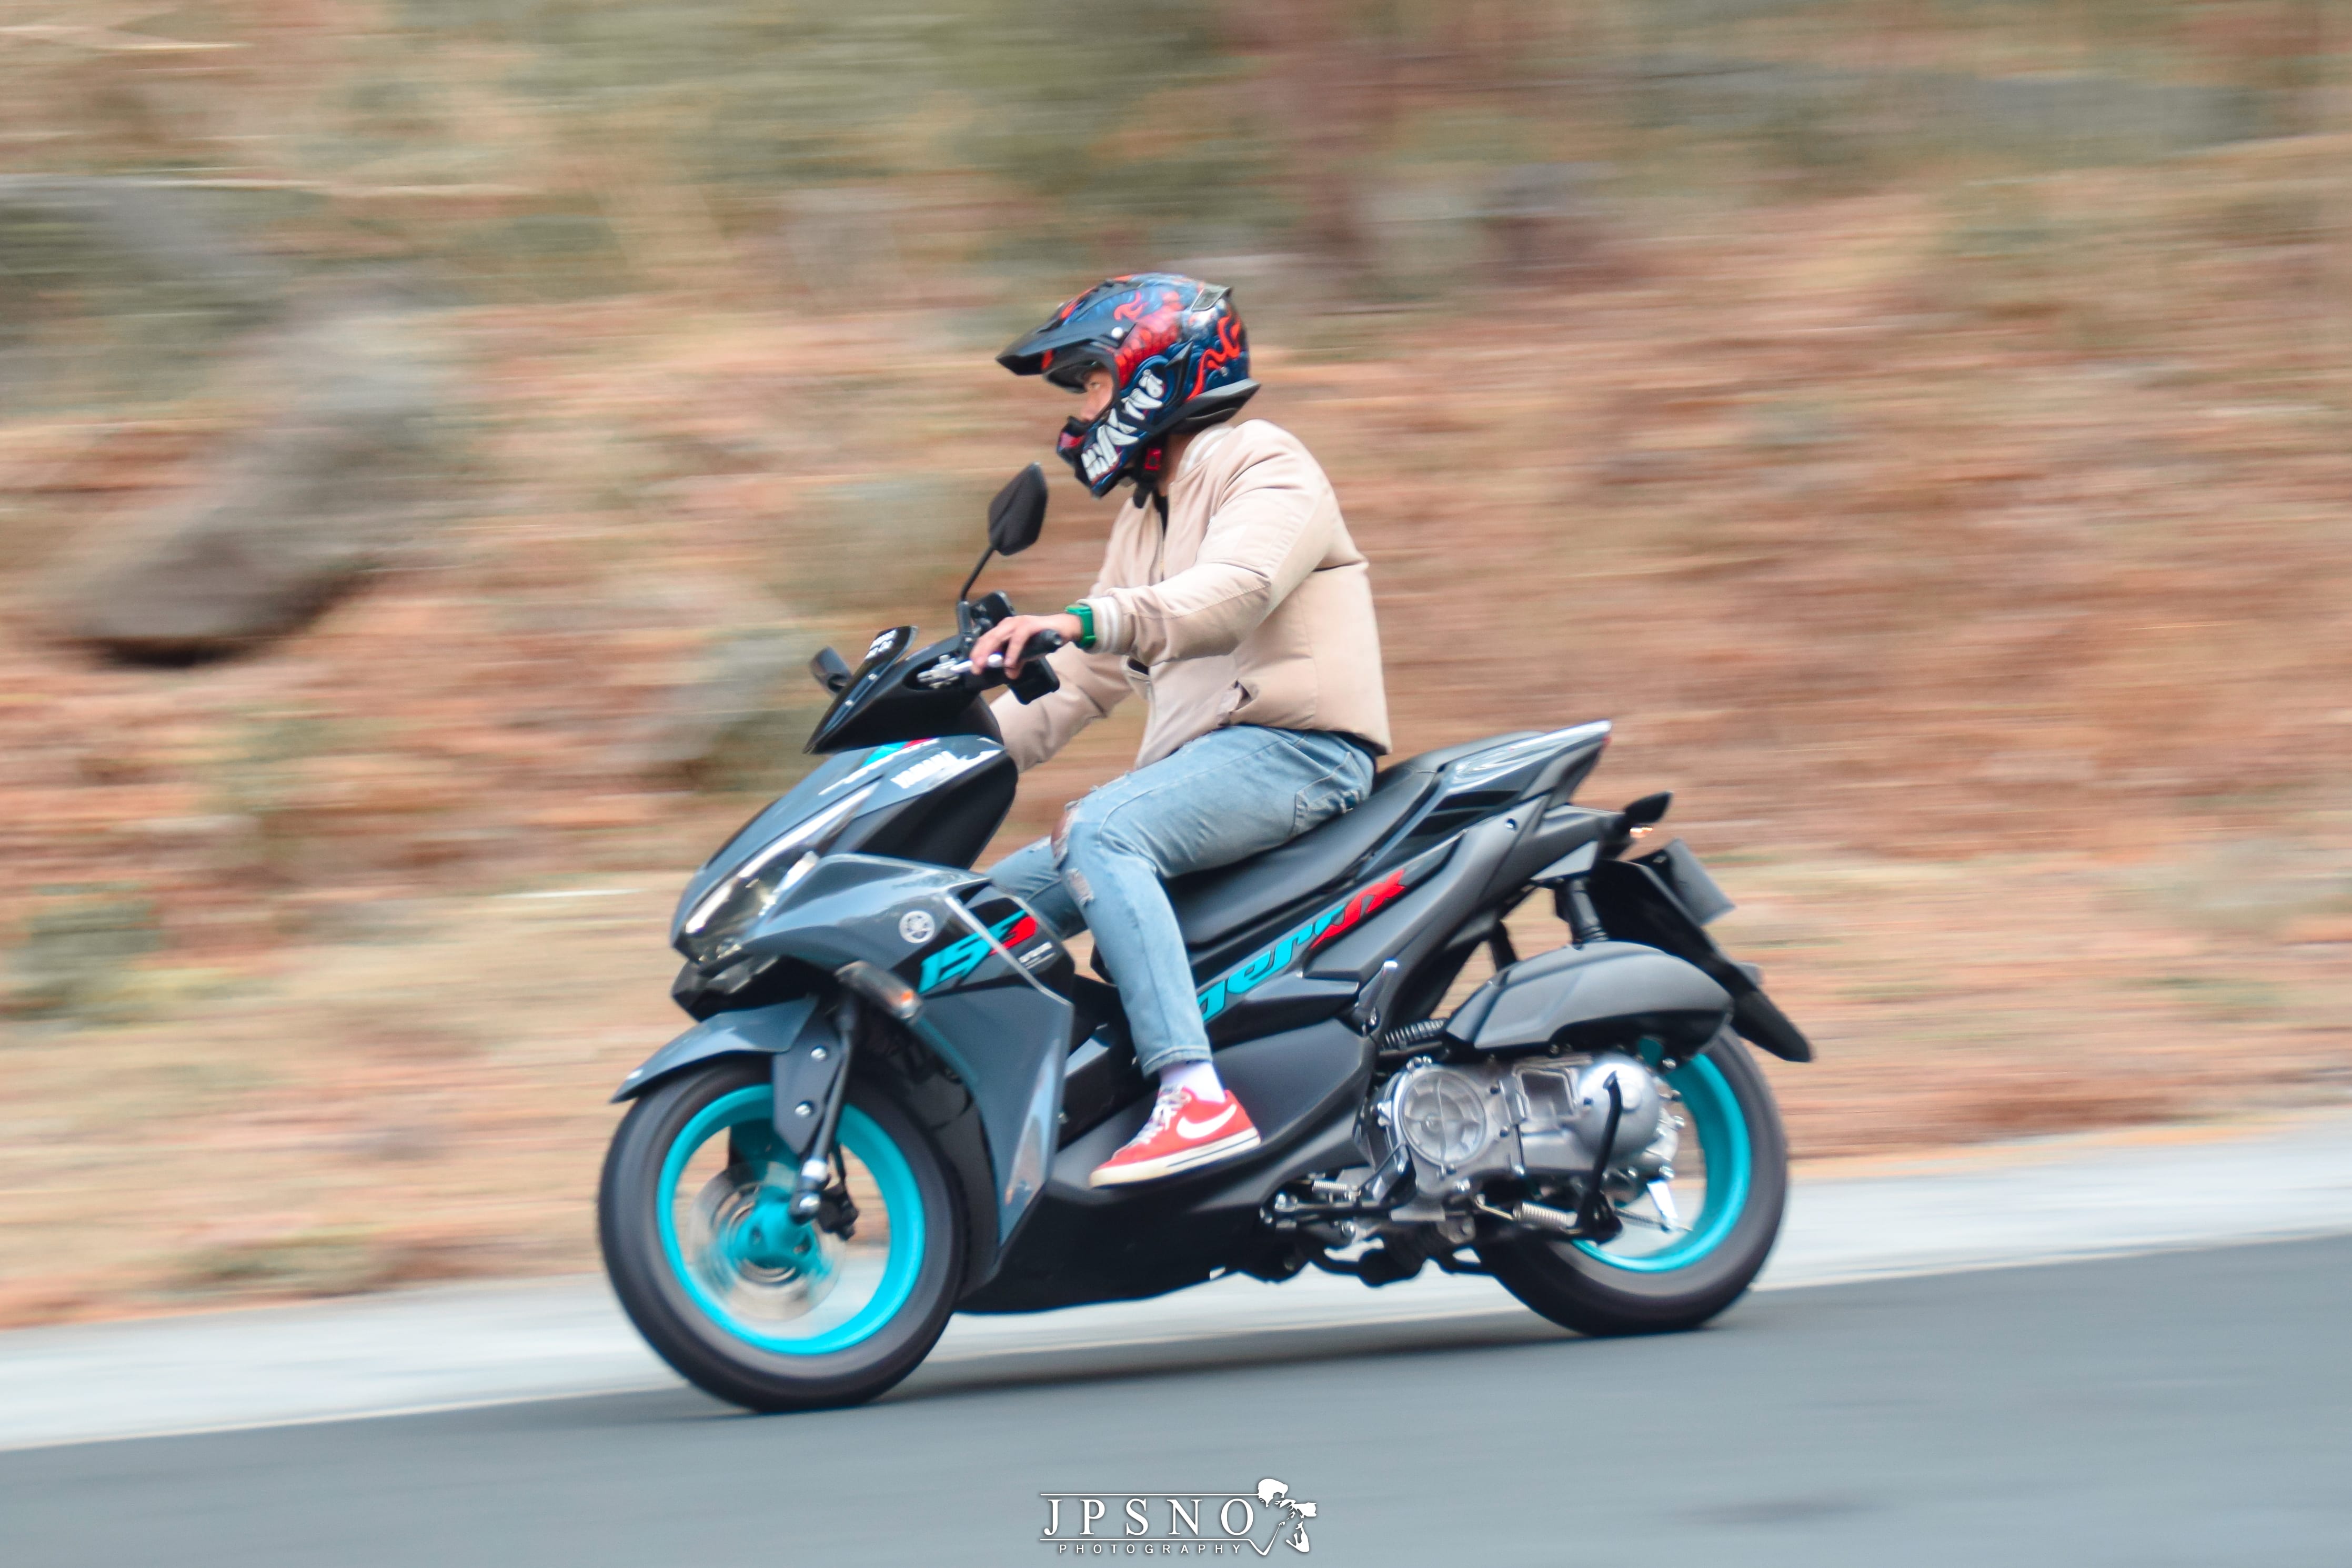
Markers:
point(345, 470)
point(152, 226)
point(120, 290)
point(1544, 219)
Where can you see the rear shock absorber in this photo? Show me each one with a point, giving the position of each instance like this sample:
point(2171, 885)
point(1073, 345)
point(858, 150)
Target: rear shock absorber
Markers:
point(1405, 1039)
point(1573, 901)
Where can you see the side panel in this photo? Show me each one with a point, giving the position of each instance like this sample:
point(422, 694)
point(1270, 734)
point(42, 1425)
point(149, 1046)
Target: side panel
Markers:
point(1263, 991)
point(1100, 1244)
point(949, 825)
point(1417, 929)
point(1006, 1041)
point(935, 793)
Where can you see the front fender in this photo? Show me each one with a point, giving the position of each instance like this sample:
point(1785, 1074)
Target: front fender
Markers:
point(935, 1100)
point(768, 1031)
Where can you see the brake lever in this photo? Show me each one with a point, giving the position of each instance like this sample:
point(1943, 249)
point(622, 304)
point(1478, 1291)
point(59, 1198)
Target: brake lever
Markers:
point(1036, 678)
point(947, 672)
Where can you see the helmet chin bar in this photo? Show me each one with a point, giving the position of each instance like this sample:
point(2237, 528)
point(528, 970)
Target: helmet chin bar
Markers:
point(1108, 448)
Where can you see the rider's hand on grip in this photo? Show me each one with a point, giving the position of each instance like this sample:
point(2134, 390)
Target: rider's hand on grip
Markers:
point(1036, 678)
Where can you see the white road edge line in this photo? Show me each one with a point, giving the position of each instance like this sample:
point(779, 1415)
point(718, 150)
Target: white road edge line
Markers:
point(523, 1342)
point(981, 1357)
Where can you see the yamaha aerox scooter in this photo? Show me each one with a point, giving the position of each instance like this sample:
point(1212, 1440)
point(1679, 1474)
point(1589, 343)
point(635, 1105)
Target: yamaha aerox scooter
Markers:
point(898, 1081)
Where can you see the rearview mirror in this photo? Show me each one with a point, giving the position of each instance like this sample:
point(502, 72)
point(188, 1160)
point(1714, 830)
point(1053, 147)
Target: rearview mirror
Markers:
point(832, 671)
point(1018, 512)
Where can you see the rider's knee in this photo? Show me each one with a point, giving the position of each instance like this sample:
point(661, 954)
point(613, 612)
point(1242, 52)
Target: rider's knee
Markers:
point(1091, 834)
point(1073, 839)
point(1090, 829)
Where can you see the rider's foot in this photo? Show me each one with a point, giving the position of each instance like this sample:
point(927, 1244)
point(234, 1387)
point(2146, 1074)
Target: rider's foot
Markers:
point(1185, 1132)
point(1201, 1077)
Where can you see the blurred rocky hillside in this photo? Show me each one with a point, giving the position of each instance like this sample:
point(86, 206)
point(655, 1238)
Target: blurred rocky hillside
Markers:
point(432, 437)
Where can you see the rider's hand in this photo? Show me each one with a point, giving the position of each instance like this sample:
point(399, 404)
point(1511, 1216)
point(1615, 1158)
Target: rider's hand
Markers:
point(1010, 636)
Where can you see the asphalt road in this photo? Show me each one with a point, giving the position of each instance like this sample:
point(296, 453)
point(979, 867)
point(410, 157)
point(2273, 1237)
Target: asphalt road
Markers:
point(2183, 1409)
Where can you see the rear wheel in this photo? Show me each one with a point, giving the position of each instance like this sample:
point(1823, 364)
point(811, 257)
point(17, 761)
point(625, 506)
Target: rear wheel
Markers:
point(746, 1302)
point(1688, 1263)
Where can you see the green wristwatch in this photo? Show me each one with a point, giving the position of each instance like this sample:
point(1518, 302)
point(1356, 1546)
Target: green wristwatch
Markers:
point(1085, 613)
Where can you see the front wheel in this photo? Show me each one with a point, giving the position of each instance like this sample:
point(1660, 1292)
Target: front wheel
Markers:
point(747, 1303)
point(1675, 1269)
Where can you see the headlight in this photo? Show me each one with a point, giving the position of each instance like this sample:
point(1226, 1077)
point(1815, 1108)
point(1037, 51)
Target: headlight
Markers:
point(717, 923)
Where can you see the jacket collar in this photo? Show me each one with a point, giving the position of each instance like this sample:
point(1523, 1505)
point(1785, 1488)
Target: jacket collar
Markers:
point(1202, 444)
point(1207, 440)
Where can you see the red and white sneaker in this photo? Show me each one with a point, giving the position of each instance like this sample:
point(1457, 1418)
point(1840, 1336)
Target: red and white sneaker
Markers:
point(1185, 1132)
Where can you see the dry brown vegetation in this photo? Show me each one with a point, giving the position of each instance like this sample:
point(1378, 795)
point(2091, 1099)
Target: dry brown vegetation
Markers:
point(1968, 554)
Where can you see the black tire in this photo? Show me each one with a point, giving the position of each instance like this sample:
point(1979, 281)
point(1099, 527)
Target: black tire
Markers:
point(700, 1348)
point(1580, 1292)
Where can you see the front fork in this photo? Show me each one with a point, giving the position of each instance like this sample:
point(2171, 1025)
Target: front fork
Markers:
point(812, 1081)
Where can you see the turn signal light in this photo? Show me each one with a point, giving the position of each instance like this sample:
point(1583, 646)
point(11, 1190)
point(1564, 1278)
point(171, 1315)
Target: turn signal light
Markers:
point(882, 988)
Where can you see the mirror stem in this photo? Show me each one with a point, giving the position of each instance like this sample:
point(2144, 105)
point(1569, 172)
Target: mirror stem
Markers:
point(964, 592)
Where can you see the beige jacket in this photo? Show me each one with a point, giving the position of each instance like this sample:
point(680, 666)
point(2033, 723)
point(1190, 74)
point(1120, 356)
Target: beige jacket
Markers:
point(1255, 608)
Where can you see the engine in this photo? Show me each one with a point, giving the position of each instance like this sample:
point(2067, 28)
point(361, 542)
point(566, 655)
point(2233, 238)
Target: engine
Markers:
point(1541, 1121)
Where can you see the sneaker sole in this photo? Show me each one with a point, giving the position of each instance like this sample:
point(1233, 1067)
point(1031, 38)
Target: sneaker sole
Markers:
point(1176, 1164)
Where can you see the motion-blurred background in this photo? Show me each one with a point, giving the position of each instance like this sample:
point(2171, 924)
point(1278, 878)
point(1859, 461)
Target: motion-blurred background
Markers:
point(434, 435)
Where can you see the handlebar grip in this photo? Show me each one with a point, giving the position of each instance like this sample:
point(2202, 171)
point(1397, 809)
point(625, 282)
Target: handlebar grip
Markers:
point(1036, 678)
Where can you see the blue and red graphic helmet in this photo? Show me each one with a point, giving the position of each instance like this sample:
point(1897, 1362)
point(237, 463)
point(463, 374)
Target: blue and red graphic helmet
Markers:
point(1176, 349)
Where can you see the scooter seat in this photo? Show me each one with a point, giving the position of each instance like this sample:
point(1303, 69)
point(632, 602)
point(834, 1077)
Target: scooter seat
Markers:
point(1212, 905)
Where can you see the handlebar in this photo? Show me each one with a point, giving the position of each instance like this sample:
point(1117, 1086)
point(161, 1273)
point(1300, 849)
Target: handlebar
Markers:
point(1036, 678)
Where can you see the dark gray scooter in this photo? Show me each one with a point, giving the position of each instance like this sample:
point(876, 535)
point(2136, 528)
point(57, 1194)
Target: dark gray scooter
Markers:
point(899, 1082)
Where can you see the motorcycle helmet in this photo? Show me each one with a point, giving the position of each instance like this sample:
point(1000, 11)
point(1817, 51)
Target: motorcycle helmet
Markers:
point(1176, 349)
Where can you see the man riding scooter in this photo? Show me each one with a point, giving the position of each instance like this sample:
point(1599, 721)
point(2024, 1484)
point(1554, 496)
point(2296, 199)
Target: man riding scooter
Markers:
point(897, 1089)
point(1232, 598)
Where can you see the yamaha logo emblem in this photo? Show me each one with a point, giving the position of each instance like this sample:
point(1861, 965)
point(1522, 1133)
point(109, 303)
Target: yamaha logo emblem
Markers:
point(917, 927)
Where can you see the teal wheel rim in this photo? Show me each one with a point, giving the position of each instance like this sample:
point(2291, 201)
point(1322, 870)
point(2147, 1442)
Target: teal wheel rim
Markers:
point(1722, 1130)
point(842, 1296)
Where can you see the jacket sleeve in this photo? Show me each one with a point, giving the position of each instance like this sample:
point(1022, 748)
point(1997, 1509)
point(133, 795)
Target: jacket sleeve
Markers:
point(1269, 529)
point(1092, 685)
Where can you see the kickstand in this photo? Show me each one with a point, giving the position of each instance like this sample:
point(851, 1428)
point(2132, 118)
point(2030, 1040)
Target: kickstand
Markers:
point(1596, 1216)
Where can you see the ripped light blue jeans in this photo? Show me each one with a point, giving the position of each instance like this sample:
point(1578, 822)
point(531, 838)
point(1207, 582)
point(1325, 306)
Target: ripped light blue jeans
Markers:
point(1213, 801)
